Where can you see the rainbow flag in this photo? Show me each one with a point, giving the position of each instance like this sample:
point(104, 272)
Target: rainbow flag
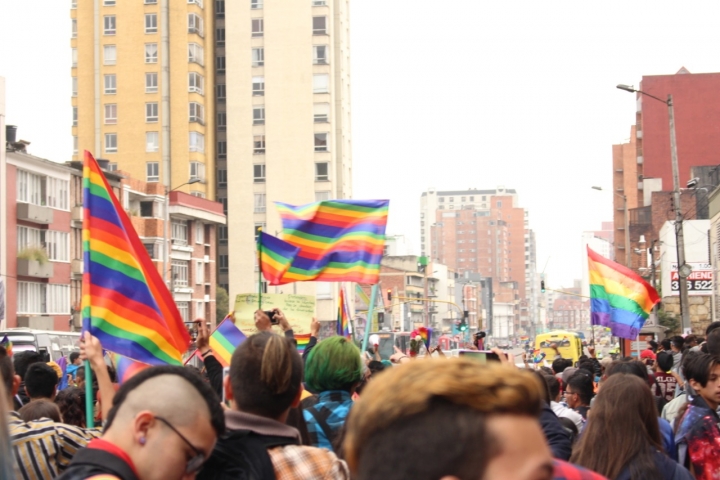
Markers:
point(302, 342)
point(339, 240)
point(426, 334)
point(276, 256)
point(620, 299)
point(7, 344)
point(343, 318)
point(125, 367)
point(225, 339)
point(125, 302)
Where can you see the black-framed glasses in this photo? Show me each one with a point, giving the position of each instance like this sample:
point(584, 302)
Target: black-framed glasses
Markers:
point(194, 464)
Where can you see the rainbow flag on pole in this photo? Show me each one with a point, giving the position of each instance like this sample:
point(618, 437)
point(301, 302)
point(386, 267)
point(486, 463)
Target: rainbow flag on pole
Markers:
point(125, 302)
point(339, 240)
point(276, 256)
point(225, 339)
point(620, 299)
point(343, 319)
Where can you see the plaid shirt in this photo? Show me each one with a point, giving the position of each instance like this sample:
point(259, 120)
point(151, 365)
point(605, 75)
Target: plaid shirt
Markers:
point(334, 406)
point(568, 471)
point(295, 462)
point(42, 449)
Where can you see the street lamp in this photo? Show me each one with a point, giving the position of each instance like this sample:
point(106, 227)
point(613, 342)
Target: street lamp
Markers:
point(166, 252)
point(679, 235)
point(628, 262)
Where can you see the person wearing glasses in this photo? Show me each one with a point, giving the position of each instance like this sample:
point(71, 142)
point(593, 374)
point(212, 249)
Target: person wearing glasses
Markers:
point(579, 392)
point(163, 425)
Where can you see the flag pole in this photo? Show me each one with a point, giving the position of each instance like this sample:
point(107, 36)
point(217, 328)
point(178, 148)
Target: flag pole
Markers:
point(371, 308)
point(89, 410)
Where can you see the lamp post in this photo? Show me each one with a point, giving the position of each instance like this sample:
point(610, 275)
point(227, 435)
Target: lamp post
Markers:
point(166, 249)
point(626, 226)
point(683, 269)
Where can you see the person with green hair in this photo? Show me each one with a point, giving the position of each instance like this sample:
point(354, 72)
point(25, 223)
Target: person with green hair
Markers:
point(332, 372)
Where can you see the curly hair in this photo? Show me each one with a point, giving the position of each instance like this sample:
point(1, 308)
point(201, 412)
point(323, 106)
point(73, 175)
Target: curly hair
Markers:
point(72, 402)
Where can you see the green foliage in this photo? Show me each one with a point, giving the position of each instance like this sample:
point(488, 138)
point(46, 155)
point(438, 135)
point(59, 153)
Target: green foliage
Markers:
point(38, 254)
point(222, 304)
point(668, 320)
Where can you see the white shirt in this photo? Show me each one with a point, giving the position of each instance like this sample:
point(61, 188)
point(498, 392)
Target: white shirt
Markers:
point(566, 412)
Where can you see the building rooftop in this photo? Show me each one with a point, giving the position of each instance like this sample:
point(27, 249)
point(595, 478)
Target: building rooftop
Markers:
point(508, 191)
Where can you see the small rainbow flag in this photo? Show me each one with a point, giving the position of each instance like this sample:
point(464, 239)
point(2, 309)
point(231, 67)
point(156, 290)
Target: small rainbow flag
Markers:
point(538, 356)
point(225, 339)
point(276, 256)
point(343, 319)
point(7, 344)
point(302, 342)
point(125, 367)
point(125, 302)
point(426, 334)
point(620, 298)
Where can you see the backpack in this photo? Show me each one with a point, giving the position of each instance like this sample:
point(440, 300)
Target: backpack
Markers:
point(242, 455)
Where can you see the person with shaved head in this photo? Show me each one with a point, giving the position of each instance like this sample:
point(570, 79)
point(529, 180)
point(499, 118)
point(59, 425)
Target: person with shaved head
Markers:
point(163, 425)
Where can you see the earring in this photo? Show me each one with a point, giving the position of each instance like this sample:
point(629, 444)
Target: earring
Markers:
point(142, 440)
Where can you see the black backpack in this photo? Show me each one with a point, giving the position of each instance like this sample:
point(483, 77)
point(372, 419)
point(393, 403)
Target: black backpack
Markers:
point(242, 455)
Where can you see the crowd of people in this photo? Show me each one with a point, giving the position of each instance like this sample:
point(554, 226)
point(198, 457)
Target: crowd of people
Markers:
point(333, 412)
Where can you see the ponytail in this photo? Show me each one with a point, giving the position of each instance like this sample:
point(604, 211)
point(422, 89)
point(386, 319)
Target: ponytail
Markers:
point(276, 365)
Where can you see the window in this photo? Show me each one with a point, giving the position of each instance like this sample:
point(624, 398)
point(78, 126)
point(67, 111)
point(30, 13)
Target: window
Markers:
point(74, 28)
point(184, 309)
point(75, 144)
point(222, 149)
point(321, 112)
point(319, 3)
point(179, 232)
point(151, 83)
point(323, 290)
point(322, 196)
point(198, 194)
point(499, 204)
point(222, 177)
point(222, 235)
point(196, 54)
point(220, 63)
point(223, 263)
point(195, 24)
point(110, 114)
point(199, 232)
point(220, 8)
point(150, 2)
point(196, 83)
point(259, 115)
point(111, 143)
point(151, 53)
point(43, 298)
point(73, 3)
point(257, 26)
point(199, 277)
point(152, 141)
point(258, 86)
point(146, 209)
point(109, 55)
point(219, 37)
point(259, 173)
point(74, 57)
point(320, 55)
point(151, 23)
point(319, 25)
point(110, 84)
point(222, 121)
point(75, 116)
point(108, 3)
point(220, 92)
point(42, 190)
point(109, 25)
point(223, 201)
point(322, 170)
point(259, 203)
point(56, 244)
point(321, 142)
point(179, 272)
point(152, 171)
point(197, 170)
point(258, 57)
point(256, 4)
point(321, 83)
point(197, 142)
point(197, 112)
point(74, 86)
point(199, 3)
point(151, 112)
point(258, 144)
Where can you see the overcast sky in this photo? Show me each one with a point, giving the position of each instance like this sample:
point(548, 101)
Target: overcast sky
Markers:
point(451, 95)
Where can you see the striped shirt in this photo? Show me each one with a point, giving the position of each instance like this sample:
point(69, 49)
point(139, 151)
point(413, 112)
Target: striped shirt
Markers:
point(42, 449)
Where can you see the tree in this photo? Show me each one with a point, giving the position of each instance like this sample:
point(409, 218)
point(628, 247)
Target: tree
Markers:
point(222, 304)
point(668, 320)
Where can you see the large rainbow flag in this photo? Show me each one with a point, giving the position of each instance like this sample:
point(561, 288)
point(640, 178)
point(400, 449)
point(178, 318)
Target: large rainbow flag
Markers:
point(620, 299)
point(276, 257)
point(125, 302)
point(339, 240)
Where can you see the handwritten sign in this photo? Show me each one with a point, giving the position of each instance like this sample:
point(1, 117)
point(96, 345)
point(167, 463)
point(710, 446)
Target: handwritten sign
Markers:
point(299, 310)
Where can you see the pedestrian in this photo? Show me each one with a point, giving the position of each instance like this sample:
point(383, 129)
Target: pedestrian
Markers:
point(698, 435)
point(557, 438)
point(264, 383)
point(579, 392)
point(621, 439)
point(38, 409)
point(41, 381)
point(6, 458)
point(71, 403)
point(562, 411)
point(21, 362)
point(676, 348)
point(665, 383)
point(333, 371)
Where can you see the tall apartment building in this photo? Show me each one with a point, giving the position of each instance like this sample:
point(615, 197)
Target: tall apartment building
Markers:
point(288, 106)
point(143, 87)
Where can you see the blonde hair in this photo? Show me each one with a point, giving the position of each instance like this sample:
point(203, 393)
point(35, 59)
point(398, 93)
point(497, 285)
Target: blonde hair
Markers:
point(409, 389)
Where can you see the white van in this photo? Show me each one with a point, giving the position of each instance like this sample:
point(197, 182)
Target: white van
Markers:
point(52, 344)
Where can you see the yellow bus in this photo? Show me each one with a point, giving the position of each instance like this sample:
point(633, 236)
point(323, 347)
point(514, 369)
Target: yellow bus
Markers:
point(569, 344)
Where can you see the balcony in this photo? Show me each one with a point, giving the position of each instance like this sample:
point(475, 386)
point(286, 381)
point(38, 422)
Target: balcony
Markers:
point(639, 134)
point(76, 268)
point(640, 160)
point(77, 216)
point(34, 213)
point(36, 322)
point(33, 268)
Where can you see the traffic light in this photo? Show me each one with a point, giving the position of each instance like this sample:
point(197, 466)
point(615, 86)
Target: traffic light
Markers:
point(389, 295)
point(464, 322)
point(542, 286)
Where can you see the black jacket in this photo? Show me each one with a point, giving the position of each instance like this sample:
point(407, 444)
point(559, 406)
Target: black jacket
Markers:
point(557, 437)
point(91, 461)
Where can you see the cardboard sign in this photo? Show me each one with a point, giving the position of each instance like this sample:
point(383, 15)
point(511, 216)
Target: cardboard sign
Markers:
point(299, 310)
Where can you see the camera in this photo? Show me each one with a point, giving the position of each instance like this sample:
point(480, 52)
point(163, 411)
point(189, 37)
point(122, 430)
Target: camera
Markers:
point(271, 316)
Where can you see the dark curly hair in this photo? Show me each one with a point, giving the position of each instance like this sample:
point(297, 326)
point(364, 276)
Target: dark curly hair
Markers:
point(72, 406)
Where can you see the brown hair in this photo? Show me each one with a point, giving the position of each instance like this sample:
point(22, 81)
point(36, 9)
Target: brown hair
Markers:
point(622, 430)
point(455, 391)
point(38, 409)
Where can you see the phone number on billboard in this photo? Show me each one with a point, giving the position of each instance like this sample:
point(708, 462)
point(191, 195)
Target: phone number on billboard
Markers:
point(693, 285)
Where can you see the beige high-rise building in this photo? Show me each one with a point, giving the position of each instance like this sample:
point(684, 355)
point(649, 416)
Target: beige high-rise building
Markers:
point(143, 89)
point(288, 114)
